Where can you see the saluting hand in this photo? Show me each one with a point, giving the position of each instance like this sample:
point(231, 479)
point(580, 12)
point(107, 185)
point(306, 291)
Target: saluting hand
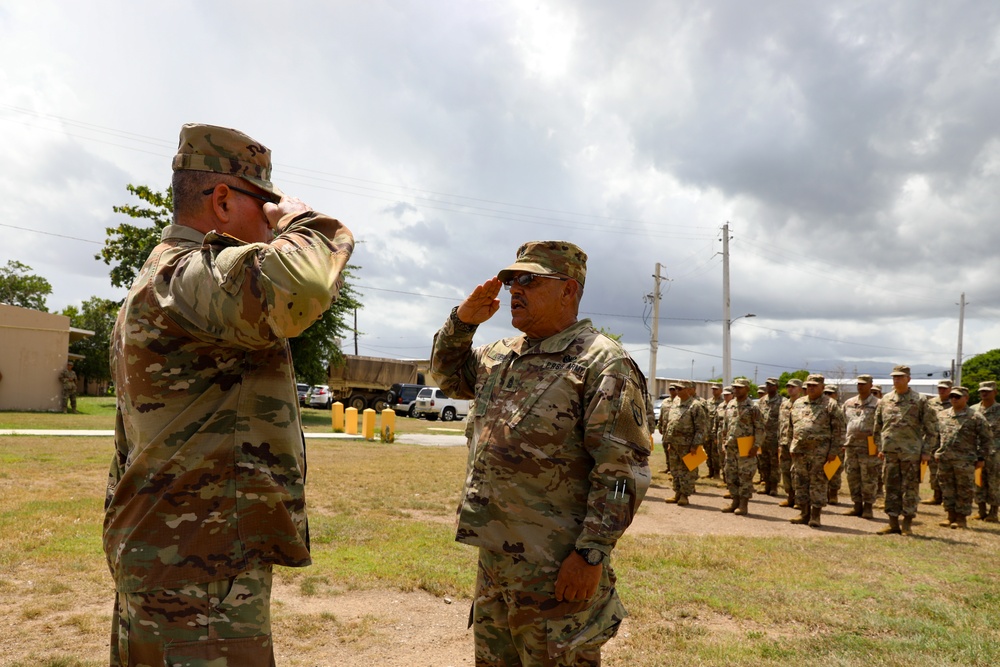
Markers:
point(482, 303)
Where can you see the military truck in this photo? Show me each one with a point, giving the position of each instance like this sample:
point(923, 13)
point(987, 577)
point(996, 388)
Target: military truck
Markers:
point(363, 382)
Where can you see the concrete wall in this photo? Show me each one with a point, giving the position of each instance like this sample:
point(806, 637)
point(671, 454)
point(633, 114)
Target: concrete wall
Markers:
point(34, 347)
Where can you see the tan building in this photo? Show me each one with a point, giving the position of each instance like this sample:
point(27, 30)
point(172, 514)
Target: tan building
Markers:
point(34, 348)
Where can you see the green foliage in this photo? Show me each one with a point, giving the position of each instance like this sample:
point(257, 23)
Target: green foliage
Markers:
point(786, 376)
point(128, 246)
point(97, 315)
point(980, 368)
point(612, 336)
point(19, 287)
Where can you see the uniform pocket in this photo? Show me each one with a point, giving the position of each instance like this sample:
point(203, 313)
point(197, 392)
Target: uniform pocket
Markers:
point(243, 652)
point(589, 628)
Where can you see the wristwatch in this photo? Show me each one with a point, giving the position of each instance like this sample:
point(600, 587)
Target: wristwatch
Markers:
point(591, 556)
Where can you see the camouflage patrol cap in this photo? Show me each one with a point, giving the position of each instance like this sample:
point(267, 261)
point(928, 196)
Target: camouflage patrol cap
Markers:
point(959, 391)
point(548, 258)
point(716, 385)
point(945, 384)
point(685, 384)
point(830, 389)
point(794, 382)
point(989, 385)
point(761, 391)
point(815, 378)
point(865, 379)
point(773, 381)
point(727, 390)
point(224, 151)
point(901, 370)
point(741, 382)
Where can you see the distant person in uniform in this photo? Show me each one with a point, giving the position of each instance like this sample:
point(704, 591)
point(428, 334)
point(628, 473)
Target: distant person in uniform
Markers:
point(67, 379)
point(861, 460)
point(687, 429)
point(940, 403)
point(817, 435)
point(770, 409)
point(744, 432)
point(965, 443)
point(712, 448)
point(206, 487)
point(558, 466)
point(837, 480)
point(988, 495)
point(794, 389)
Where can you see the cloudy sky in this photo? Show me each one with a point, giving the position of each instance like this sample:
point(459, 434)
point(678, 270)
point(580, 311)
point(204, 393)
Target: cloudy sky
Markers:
point(852, 147)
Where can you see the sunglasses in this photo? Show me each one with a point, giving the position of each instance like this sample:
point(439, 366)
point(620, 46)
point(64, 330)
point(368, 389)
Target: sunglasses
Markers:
point(526, 279)
point(267, 199)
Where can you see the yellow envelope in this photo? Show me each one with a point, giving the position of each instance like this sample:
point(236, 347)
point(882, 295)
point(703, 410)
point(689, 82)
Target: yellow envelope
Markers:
point(979, 477)
point(830, 467)
point(923, 470)
point(872, 449)
point(692, 461)
point(744, 444)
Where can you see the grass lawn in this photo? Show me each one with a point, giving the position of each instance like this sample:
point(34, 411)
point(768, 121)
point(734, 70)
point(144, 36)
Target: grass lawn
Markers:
point(381, 519)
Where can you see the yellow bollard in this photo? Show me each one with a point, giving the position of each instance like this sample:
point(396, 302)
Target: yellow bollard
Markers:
point(351, 421)
point(388, 425)
point(368, 424)
point(337, 417)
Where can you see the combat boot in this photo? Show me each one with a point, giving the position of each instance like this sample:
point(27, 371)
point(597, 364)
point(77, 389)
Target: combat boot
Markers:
point(789, 501)
point(734, 505)
point(682, 501)
point(673, 500)
point(904, 527)
point(866, 511)
point(958, 521)
point(936, 500)
point(814, 516)
point(892, 528)
point(833, 497)
point(742, 509)
point(982, 512)
point(948, 521)
point(992, 516)
point(854, 512)
point(803, 516)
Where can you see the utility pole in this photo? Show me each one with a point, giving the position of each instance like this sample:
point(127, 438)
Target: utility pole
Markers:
point(727, 362)
point(957, 379)
point(654, 340)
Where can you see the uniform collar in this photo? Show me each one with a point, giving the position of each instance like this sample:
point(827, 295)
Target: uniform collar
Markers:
point(556, 342)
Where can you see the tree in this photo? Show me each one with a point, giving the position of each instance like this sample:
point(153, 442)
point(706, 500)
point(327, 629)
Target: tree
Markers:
point(19, 287)
point(97, 315)
point(980, 368)
point(128, 246)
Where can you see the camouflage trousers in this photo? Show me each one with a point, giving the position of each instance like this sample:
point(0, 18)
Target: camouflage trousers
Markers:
point(989, 492)
point(223, 623)
point(862, 474)
point(683, 480)
point(767, 463)
point(714, 458)
point(957, 479)
point(902, 485)
point(811, 484)
point(932, 467)
point(69, 399)
point(837, 480)
point(785, 465)
point(517, 621)
point(739, 472)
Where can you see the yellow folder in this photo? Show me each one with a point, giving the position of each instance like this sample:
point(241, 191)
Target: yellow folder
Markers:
point(979, 477)
point(830, 467)
point(872, 449)
point(692, 461)
point(923, 470)
point(744, 444)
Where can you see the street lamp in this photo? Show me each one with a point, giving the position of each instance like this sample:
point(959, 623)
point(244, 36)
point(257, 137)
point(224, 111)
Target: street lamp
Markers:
point(727, 356)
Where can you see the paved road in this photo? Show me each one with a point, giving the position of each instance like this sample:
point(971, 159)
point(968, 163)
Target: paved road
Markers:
point(425, 439)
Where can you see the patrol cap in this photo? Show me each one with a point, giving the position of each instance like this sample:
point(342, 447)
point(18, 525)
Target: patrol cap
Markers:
point(989, 385)
point(865, 379)
point(761, 390)
point(727, 390)
point(773, 381)
point(794, 382)
point(548, 258)
point(685, 384)
point(815, 378)
point(945, 384)
point(901, 370)
point(741, 382)
point(224, 151)
point(959, 391)
point(716, 385)
point(830, 389)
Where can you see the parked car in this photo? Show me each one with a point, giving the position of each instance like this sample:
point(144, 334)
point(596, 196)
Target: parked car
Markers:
point(403, 397)
point(303, 391)
point(433, 403)
point(319, 397)
point(656, 407)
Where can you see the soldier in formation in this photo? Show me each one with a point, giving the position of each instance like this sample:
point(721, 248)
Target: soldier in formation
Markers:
point(712, 447)
point(744, 431)
point(988, 493)
point(817, 434)
point(965, 443)
point(767, 461)
point(940, 403)
point(687, 429)
point(861, 460)
point(837, 481)
point(794, 389)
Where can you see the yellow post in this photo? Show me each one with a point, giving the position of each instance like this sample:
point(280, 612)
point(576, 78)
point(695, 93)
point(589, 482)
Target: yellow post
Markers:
point(368, 424)
point(337, 417)
point(351, 421)
point(388, 425)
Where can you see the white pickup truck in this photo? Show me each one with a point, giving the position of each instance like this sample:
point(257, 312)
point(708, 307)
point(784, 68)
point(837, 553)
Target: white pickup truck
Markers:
point(432, 403)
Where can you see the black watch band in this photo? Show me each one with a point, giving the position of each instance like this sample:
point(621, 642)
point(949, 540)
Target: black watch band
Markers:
point(591, 556)
point(461, 326)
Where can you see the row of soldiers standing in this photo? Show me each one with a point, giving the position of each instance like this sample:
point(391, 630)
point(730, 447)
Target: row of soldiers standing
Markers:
point(799, 444)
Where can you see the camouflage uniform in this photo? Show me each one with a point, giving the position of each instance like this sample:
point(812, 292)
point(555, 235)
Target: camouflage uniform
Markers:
point(989, 492)
point(767, 461)
point(662, 426)
point(817, 431)
point(720, 432)
point(742, 419)
point(939, 406)
point(712, 447)
point(67, 379)
point(965, 440)
point(559, 462)
point(784, 448)
point(862, 467)
point(905, 430)
point(206, 486)
point(687, 429)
